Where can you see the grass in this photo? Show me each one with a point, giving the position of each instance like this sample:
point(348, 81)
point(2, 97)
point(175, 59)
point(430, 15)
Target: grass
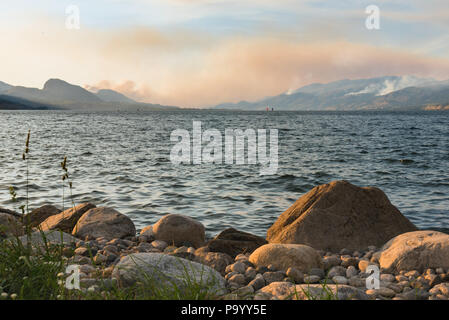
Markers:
point(38, 273)
point(29, 272)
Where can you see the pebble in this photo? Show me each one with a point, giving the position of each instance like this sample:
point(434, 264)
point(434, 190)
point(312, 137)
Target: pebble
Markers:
point(439, 270)
point(239, 267)
point(357, 282)
point(387, 277)
point(258, 282)
point(363, 264)
point(296, 275)
point(244, 291)
point(241, 256)
point(348, 261)
point(159, 244)
point(238, 278)
point(311, 279)
point(271, 276)
point(316, 272)
point(385, 292)
point(340, 280)
point(82, 251)
point(351, 271)
point(331, 261)
point(100, 258)
point(336, 271)
point(250, 273)
point(412, 274)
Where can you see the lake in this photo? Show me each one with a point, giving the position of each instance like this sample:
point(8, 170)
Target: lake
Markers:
point(122, 160)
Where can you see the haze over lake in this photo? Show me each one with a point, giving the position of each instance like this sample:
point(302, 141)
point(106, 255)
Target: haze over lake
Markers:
point(122, 160)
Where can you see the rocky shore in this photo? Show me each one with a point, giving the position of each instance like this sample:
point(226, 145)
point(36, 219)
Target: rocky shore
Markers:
point(319, 248)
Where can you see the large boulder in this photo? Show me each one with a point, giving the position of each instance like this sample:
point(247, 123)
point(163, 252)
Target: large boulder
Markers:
point(165, 271)
point(234, 242)
point(417, 250)
point(104, 222)
point(66, 220)
point(284, 256)
point(39, 215)
point(340, 215)
point(10, 226)
point(179, 230)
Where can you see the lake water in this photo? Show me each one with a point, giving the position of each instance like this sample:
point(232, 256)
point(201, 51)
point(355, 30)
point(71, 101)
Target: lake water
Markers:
point(122, 160)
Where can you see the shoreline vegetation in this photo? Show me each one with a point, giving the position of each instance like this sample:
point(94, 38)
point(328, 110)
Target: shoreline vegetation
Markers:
point(322, 247)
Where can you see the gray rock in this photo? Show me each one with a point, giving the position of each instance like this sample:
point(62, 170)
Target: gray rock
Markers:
point(271, 276)
point(180, 230)
point(239, 267)
point(234, 242)
point(67, 219)
point(104, 222)
point(351, 271)
point(311, 279)
point(296, 275)
point(340, 280)
point(357, 282)
point(387, 277)
point(10, 226)
point(349, 261)
point(164, 270)
point(39, 215)
point(39, 238)
point(250, 273)
point(316, 272)
point(258, 282)
point(284, 256)
point(159, 244)
point(384, 292)
point(417, 250)
point(217, 260)
point(359, 217)
point(336, 271)
point(238, 278)
point(415, 294)
point(331, 261)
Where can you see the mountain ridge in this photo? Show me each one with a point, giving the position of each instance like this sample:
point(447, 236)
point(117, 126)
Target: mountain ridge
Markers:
point(59, 94)
point(380, 93)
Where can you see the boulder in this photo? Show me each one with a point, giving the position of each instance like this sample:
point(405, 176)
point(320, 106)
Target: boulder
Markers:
point(284, 256)
point(39, 215)
point(165, 271)
point(10, 226)
point(66, 220)
point(104, 222)
point(340, 215)
point(233, 242)
point(216, 260)
point(179, 230)
point(39, 238)
point(417, 250)
point(147, 231)
point(11, 212)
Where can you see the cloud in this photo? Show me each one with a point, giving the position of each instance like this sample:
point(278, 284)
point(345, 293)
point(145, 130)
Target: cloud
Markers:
point(250, 69)
point(196, 68)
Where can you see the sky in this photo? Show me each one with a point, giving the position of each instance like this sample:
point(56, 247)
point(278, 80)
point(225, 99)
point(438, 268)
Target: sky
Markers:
point(199, 53)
